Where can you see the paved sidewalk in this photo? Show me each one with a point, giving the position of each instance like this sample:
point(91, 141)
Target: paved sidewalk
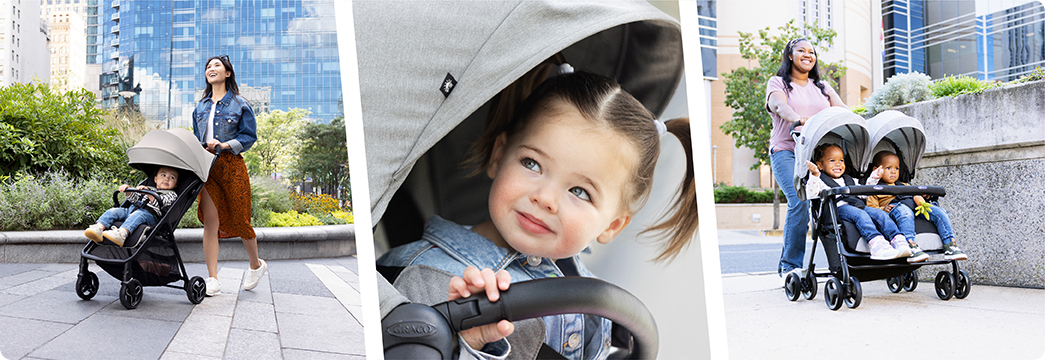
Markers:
point(302, 309)
point(993, 322)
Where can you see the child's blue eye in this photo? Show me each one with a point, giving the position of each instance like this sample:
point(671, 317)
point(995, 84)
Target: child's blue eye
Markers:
point(581, 193)
point(531, 164)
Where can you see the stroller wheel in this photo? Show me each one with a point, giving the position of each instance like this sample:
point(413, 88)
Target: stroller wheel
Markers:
point(945, 285)
point(961, 290)
point(792, 286)
point(131, 294)
point(853, 293)
point(910, 280)
point(195, 289)
point(87, 285)
point(833, 293)
point(895, 284)
point(809, 286)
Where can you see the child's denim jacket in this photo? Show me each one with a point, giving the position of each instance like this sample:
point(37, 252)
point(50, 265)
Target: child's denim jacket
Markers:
point(452, 247)
point(233, 118)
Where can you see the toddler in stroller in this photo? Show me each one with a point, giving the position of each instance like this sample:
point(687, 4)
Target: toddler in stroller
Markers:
point(149, 204)
point(828, 170)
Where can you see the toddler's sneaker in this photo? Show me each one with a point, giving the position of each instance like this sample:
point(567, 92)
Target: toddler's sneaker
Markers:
point(900, 244)
point(881, 249)
point(254, 275)
point(94, 232)
point(116, 235)
point(213, 287)
point(917, 255)
point(952, 252)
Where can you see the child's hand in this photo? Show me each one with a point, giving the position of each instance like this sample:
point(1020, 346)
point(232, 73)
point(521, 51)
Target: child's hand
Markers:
point(877, 173)
point(888, 208)
point(812, 168)
point(919, 200)
point(473, 280)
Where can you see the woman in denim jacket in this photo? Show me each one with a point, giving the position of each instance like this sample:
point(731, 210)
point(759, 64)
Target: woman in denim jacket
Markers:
point(226, 127)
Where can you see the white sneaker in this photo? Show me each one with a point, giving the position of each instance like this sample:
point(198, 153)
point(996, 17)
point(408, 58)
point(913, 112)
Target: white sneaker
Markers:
point(94, 232)
point(254, 276)
point(213, 287)
point(882, 250)
point(900, 244)
point(116, 235)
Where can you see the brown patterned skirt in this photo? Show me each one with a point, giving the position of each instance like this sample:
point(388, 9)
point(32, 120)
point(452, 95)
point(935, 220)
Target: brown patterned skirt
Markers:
point(229, 187)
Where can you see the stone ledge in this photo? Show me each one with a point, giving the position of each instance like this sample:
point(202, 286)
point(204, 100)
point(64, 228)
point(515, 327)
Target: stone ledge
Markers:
point(64, 246)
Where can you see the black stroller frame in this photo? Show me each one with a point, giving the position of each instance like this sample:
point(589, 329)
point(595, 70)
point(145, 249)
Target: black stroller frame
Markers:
point(150, 255)
point(847, 267)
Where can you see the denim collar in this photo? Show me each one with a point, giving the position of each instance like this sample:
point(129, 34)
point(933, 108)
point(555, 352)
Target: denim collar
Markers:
point(467, 246)
point(224, 99)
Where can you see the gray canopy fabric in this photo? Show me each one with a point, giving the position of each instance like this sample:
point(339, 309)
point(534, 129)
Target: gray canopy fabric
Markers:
point(176, 148)
point(835, 125)
point(407, 48)
point(903, 131)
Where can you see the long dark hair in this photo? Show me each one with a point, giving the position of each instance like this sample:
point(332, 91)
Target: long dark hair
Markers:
point(230, 83)
point(785, 66)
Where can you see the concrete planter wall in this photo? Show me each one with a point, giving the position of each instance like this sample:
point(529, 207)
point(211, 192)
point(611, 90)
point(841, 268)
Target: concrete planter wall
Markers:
point(988, 151)
point(748, 216)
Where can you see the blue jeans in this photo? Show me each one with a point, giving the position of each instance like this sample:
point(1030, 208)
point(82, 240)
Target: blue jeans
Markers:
point(132, 217)
point(866, 221)
point(797, 222)
point(904, 218)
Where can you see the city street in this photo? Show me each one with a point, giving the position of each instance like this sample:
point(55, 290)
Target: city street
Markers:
point(993, 322)
point(302, 309)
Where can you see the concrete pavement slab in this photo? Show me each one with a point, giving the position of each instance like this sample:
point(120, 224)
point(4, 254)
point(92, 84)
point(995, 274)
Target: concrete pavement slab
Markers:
point(993, 322)
point(22, 336)
point(8, 269)
point(255, 316)
point(110, 337)
point(43, 284)
point(8, 298)
point(261, 293)
point(335, 332)
point(253, 345)
point(296, 278)
point(202, 334)
point(155, 306)
point(295, 354)
point(58, 305)
point(173, 355)
point(306, 305)
point(23, 277)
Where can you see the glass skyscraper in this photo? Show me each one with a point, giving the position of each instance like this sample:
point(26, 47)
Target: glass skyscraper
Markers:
point(284, 53)
point(975, 38)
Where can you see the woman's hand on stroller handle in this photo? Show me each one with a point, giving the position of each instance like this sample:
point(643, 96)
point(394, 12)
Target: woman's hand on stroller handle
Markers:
point(473, 281)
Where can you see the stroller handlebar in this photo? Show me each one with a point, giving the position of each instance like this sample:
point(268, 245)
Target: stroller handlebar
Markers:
point(884, 190)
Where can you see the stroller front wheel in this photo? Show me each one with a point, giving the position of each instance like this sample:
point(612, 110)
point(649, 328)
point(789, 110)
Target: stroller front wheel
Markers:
point(87, 285)
point(910, 280)
point(792, 286)
point(833, 293)
point(963, 286)
point(809, 286)
point(131, 294)
point(945, 284)
point(895, 284)
point(195, 289)
point(853, 293)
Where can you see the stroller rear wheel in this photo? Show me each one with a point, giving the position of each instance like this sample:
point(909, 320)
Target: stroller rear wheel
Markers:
point(792, 286)
point(195, 289)
point(131, 294)
point(895, 284)
point(910, 280)
point(853, 293)
point(945, 284)
point(87, 285)
point(963, 285)
point(809, 286)
point(833, 293)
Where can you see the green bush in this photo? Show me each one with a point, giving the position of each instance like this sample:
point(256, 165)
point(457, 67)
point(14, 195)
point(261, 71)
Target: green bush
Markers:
point(900, 89)
point(958, 85)
point(743, 195)
point(1037, 74)
point(292, 218)
point(269, 194)
point(52, 201)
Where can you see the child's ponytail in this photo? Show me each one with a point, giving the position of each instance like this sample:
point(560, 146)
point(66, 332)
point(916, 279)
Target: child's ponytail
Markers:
point(680, 222)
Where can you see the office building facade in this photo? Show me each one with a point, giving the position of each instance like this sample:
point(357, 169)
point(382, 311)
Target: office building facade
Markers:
point(284, 54)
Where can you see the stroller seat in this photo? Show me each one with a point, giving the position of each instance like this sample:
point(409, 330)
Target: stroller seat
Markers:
point(926, 236)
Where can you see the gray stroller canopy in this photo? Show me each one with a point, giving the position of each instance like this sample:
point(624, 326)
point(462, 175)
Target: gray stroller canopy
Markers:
point(903, 131)
point(407, 48)
point(834, 125)
point(176, 148)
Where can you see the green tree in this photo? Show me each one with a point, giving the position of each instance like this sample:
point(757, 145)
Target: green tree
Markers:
point(324, 158)
point(279, 142)
point(42, 128)
point(751, 125)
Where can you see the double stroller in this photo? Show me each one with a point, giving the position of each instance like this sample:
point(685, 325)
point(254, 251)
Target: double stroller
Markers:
point(849, 261)
point(149, 256)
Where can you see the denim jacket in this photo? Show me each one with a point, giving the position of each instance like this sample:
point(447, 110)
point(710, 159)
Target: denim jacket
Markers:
point(452, 247)
point(234, 120)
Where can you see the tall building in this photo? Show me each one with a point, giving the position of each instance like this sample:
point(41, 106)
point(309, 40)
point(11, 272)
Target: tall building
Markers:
point(857, 45)
point(23, 45)
point(68, 51)
point(991, 40)
point(87, 11)
point(284, 54)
